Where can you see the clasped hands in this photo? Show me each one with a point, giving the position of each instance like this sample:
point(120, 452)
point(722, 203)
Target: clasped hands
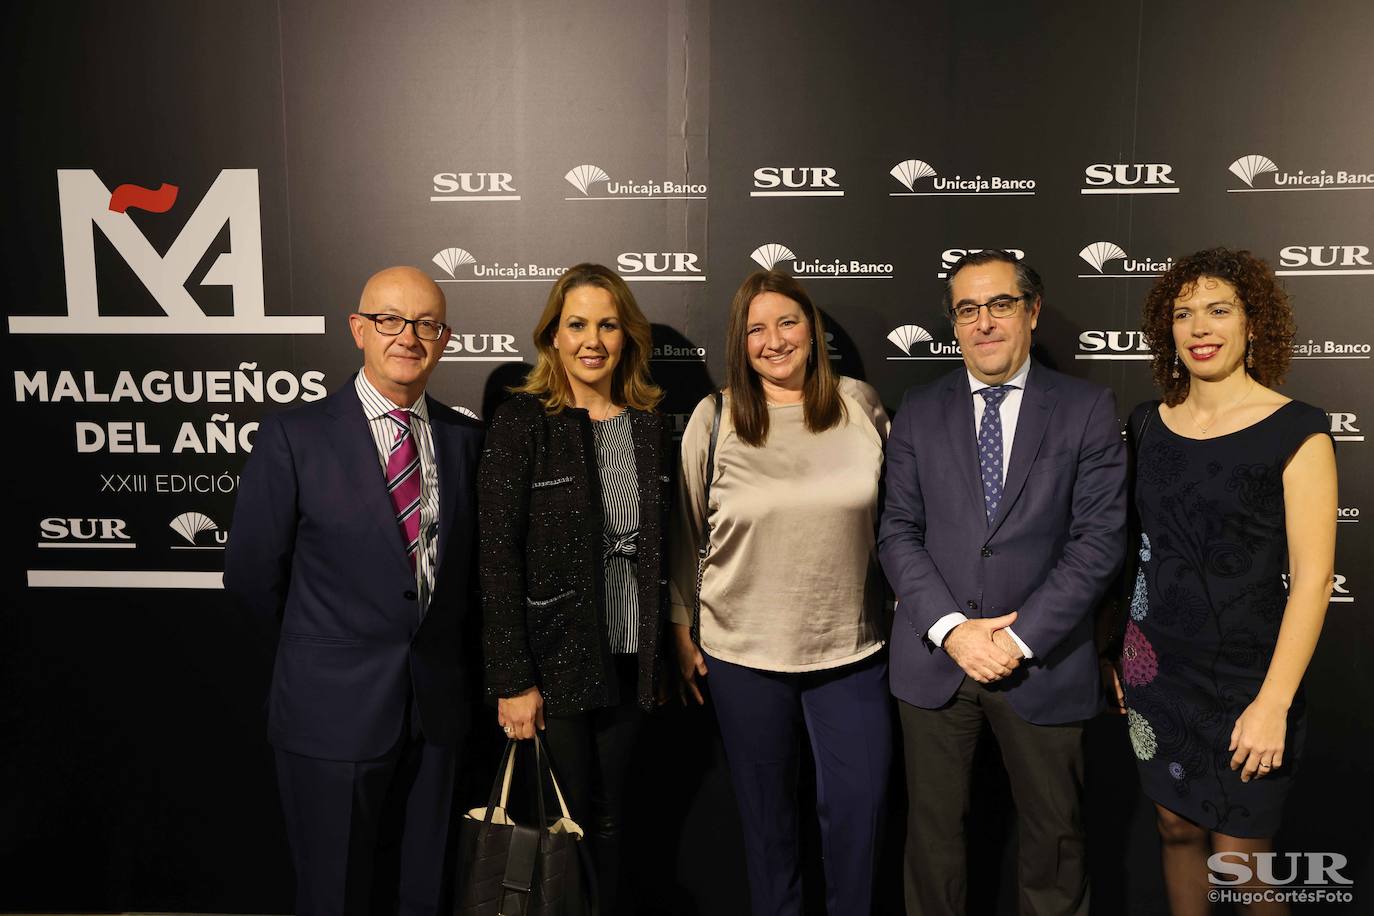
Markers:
point(984, 648)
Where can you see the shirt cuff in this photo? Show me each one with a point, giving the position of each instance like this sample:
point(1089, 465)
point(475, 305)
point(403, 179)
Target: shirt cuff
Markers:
point(679, 613)
point(940, 628)
point(1025, 649)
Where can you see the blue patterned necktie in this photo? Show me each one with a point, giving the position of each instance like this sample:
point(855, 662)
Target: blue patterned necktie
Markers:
point(990, 446)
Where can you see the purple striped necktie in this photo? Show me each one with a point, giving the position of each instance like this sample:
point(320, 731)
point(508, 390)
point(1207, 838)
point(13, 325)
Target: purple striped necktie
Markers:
point(403, 482)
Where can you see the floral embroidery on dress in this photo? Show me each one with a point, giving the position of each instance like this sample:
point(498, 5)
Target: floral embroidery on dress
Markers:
point(1138, 662)
point(1140, 598)
point(1142, 735)
point(1176, 770)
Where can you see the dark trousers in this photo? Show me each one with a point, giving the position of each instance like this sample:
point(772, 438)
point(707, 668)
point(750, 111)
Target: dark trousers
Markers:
point(845, 713)
point(1045, 768)
point(366, 834)
point(591, 752)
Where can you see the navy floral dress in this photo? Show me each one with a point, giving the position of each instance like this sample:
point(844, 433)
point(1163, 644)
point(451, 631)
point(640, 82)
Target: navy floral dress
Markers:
point(1205, 613)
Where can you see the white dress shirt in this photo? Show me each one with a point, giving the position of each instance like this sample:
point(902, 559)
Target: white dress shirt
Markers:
point(1009, 410)
point(376, 407)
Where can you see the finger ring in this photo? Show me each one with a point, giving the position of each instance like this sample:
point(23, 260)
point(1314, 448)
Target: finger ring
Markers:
point(1265, 766)
point(509, 729)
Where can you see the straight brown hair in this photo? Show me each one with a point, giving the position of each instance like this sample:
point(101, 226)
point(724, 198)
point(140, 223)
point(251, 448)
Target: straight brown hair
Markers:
point(748, 406)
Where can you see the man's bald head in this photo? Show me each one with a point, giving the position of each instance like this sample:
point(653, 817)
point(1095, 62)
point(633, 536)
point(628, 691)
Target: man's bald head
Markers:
point(393, 283)
point(399, 365)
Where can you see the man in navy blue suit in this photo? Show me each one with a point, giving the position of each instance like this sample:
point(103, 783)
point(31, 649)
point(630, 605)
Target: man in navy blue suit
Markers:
point(354, 529)
point(1003, 525)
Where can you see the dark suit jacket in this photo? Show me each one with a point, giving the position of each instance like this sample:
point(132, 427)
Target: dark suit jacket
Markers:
point(1057, 541)
point(542, 556)
point(315, 545)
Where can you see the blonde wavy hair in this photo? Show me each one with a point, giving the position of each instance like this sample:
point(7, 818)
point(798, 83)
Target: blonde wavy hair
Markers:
point(631, 385)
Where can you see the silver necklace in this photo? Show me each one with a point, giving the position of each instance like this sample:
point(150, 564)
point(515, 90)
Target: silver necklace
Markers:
point(1216, 416)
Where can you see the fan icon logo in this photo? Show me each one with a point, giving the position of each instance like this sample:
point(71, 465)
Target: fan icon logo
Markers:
point(773, 254)
point(1250, 168)
point(456, 261)
point(910, 173)
point(916, 342)
point(1098, 254)
point(586, 177)
point(192, 527)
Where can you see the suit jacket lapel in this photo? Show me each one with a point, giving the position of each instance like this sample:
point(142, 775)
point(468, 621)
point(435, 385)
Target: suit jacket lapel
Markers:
point(357, 453)
point(449, 465)
point(962, 437)
point(1037, 403)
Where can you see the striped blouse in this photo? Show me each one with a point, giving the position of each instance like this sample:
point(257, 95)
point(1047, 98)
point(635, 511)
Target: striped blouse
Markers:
point(615, 459)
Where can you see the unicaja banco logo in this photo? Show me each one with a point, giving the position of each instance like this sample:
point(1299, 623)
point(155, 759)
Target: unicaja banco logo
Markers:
point(585, 178)
point(916, 342)
point(911, 172)
point(773, 254)
point(1098, 254)
point(86, 204)
point(456, 261)
point(1250, 169)
point(193, 528)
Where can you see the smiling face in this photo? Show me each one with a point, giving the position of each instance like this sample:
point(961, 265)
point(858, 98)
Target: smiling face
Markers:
point(778, 341)
point(399, 367)
point(994, 348)
point(589, 340)
point(1210, 331)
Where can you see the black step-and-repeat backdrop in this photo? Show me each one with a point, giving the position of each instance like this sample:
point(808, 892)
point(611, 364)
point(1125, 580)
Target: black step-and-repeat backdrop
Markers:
point(197, 192)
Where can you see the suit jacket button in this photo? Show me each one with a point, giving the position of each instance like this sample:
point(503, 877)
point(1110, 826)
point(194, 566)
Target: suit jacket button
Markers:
point(973, 605)
point(409, 595)
point(986, 551)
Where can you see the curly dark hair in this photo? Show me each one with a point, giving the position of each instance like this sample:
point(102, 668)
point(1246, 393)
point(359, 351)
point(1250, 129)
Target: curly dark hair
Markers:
point(1268, 316)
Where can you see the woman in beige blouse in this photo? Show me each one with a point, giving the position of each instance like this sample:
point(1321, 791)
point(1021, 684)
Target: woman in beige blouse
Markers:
point(791, 594)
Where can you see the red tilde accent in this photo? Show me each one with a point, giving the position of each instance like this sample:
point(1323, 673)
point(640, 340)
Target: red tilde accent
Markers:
point(141, 198)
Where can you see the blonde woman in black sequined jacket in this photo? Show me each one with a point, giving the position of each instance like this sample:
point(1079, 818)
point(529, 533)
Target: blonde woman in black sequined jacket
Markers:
point(573, 495)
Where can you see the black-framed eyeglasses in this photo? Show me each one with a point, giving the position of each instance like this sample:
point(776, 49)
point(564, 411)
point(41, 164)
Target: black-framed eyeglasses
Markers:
point(1000, 307)
point(393, 325)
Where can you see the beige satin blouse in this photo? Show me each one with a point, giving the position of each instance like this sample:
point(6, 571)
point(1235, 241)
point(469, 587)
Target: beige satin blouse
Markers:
point(791, 582)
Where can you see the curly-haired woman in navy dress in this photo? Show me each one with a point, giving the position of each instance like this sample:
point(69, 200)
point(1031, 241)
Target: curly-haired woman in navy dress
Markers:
point(1235, 487)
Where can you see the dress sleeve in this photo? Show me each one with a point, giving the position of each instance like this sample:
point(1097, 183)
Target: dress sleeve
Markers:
point(872, 405)
point(1304, 422)
point(689, 512)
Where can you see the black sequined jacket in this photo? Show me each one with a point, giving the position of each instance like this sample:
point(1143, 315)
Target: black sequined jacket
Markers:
point(541, 541)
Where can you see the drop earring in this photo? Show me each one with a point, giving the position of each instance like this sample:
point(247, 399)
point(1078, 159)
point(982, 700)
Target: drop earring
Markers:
point(1177, 362)
point(1250, 353)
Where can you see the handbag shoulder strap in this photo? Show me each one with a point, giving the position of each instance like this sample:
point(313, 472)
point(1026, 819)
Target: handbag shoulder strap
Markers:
point(705, 542)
